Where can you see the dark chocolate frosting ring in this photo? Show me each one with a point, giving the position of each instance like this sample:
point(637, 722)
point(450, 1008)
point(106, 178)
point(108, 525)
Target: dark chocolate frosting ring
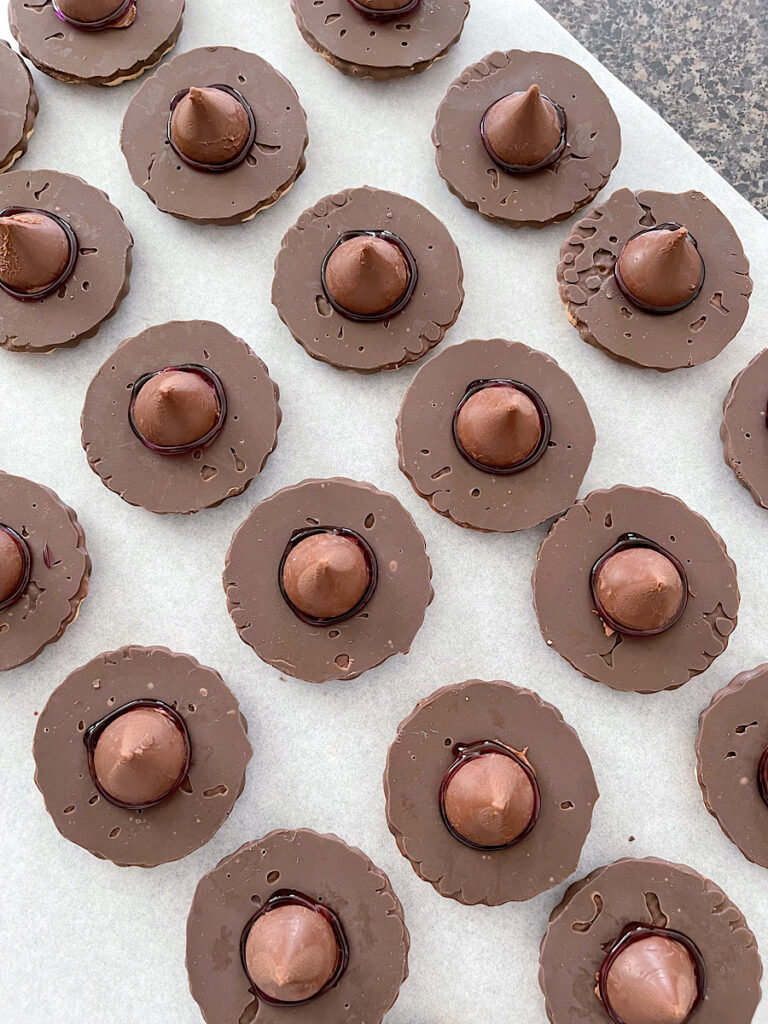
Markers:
point(288, 897)
point(384, 15)
point(94, 26)
point(565, 607)
point(732, 761)
point(647, 307)
point(495, 718)
point(544, 419)
point(549, 159)
point(663, 900)
point(402, 302)
point(208, 375)
point(26, 561)
point(239, 157)
point(95, 729)
point(66, 227)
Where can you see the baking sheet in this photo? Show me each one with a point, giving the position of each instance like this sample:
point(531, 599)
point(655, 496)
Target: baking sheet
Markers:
point(85, 941)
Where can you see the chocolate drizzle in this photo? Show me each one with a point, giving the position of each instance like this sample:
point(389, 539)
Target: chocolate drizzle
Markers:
point(214, 167)
point(546, 161)
point(370, 559)
point(94, 731)
point(469, 752)
point(212, 379)
point(287, 897)
point(402, 302)
point(124, 8)
point(544, 417)
point(636, 933)
point(633, 540)
point(26, 559)
point(26, 296)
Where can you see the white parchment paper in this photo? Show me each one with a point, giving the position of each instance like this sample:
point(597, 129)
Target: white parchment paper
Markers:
point(83, 941)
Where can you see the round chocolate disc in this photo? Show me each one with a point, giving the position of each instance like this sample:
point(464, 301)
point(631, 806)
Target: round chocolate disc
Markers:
point(219, 753)
point(553, 192)
point(387, 342)
point(656, 896)
point(384, 625)
point(99, 279)
point(262, 172)
point(565, 606)
point(607, 318)
point(338, 878)
point(733, 775)
point(199, 476)
point(124, 49)
point(20, 107)
point(743, 430)
point(381, 40)
point(425, 748)
point(473, 495)
point(58, 566)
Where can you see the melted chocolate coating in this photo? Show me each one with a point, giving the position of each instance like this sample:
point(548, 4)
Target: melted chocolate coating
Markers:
point(652, 981)
point(640, 588)
point(20, 107)
point(11, 565)
point(499, 426)
point(91, 11)
point(175, 408)
point(367, 275)
point(523, 128)
point(210, 126)
point(139, 757)
point(489, 800)
point(743, 429)
point(661, 269)
point(325, 575)
point(291, 953)
point(34, 251)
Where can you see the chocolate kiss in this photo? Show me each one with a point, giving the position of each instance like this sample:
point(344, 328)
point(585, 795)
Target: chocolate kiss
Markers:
point(210, 126)
point(34, 251)
point(367, 275)
point(661, 268)
point(523, 128)
point(96, 10)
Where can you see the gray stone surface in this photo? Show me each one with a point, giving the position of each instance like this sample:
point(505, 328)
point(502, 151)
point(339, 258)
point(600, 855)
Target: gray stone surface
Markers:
point(703, 64)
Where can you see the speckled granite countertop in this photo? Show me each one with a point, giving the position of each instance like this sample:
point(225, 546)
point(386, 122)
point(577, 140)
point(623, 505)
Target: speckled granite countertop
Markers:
point(703, 64)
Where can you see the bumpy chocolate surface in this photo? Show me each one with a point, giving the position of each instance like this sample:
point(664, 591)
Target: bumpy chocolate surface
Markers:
point(273, 163)
point(386, 625)
point(553, 193)
point(297, 289)
point(190, 816)
point(105, 57)
point(607, 319)
point(206, 476)
point(743, 429)
point(60, 569)
point(367, 47)
point(19, 107)
point(595, 911)
point(100, 279)
point(424, 750)
point(733, 733)
point(566, 612)
point(325, 869)
point(454, 487)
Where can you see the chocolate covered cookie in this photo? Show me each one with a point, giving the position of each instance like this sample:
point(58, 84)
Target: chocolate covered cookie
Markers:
point(368, 280)
point(180, 417)
point(19, 107)
point(215, 135)
point(65, 260)
point(44, 569)
point(95, 42)
point(327, 579)
point(489, 793)
point(525, 138)
point(643, 941)
point(635, 590)
point(141, 755)
point(494, 435)
point(381, 38)
point(655, 279)
point(300, 926)
point(743, 429)
point(732, 761)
